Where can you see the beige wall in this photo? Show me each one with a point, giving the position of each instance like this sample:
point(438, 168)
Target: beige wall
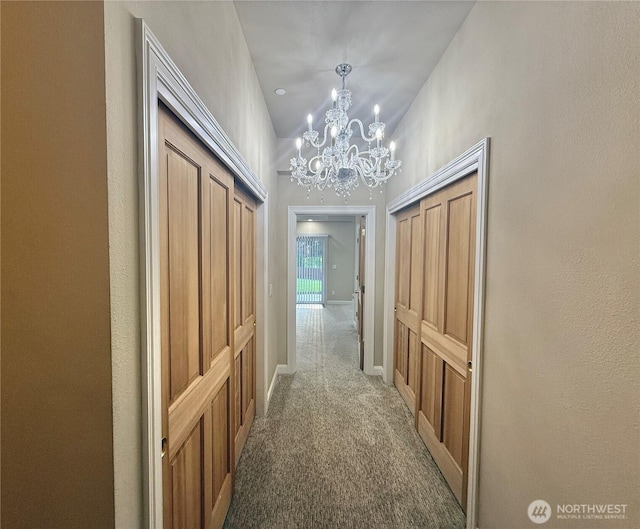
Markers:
point(556, 87)
point(206, 42)
point(57, 454)
point(341, 252)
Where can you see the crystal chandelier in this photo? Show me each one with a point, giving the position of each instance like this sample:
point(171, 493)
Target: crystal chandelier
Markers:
point(337, 163)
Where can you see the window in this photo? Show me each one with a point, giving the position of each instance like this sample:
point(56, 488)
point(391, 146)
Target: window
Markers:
point(311, 272)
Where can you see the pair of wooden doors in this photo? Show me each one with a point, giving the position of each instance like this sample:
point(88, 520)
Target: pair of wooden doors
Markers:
point(207, 297)
point(434, 322)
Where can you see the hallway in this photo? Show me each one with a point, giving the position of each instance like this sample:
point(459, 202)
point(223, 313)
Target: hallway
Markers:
point(337, 448)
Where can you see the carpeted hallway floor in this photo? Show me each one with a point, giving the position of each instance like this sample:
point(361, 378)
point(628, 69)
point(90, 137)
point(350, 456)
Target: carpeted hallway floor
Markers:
point(337, 448)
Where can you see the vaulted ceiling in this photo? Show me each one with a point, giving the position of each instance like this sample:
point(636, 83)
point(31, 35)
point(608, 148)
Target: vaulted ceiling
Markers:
point(393, 46)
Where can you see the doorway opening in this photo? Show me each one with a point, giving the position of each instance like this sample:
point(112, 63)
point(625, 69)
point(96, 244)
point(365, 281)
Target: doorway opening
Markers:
point(339, 271)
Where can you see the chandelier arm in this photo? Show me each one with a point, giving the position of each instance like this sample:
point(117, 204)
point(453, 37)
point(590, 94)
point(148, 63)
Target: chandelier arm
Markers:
point(372, 173)
point(366, 138)
point(310, 165)
point(321, 182)
point(324, 138)
point(383, 176)
point(366, 166)
point(355, 148)
point(369, 164)
point(318, 177)
point(365, 153)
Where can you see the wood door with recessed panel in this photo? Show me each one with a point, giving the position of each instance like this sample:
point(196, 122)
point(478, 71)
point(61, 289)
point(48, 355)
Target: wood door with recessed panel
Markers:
point(196, 305)
point(244, 317)
point(407, 306)
point(449, 229)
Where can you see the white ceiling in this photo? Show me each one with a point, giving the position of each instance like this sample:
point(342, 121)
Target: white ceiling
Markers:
point(392, 46)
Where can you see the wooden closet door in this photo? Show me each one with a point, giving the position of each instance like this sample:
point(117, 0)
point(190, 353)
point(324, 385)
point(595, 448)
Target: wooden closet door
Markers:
point(407, 307)
point(195, 202)
point(244, 317)
point(449, 227)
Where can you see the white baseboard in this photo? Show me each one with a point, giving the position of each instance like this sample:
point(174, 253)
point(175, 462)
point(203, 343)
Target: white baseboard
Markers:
point(339, 302)
point(377, 371)
point(270, 390)
point(281, 369)
point(284, 369)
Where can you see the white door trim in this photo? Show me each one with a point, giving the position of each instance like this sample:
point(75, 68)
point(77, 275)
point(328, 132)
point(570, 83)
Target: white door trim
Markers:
point(475, 159)
point(370, 225)
point(159, 79)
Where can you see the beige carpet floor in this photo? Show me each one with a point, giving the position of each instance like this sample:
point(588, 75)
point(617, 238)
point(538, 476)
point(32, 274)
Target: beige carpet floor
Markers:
point(337, 448)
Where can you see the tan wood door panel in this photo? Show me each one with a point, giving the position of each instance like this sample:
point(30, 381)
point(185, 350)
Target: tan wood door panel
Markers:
point(195, 202)
point(408, 304)
point(448, 219)
point(244, 316)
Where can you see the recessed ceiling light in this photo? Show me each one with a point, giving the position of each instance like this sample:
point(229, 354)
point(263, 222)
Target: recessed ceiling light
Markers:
point(280, 91)
point(309, 220)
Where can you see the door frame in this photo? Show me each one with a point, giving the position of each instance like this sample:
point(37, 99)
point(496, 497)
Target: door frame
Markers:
point(159, 79)
point(361, 240)
point(474, 159)
point(370, 214)
point(356, 272)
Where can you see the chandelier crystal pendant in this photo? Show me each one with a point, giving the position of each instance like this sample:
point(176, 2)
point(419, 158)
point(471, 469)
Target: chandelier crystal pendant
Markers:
point(337, 163)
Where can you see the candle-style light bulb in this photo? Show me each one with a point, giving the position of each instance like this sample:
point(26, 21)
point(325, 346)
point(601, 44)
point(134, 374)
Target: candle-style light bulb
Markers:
point(298, 145)
point(376, 113)
point(334, 131)
point(392, 148)
point(334, 95)
point(317, 165)
point(378, 137)
point(309, 121)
